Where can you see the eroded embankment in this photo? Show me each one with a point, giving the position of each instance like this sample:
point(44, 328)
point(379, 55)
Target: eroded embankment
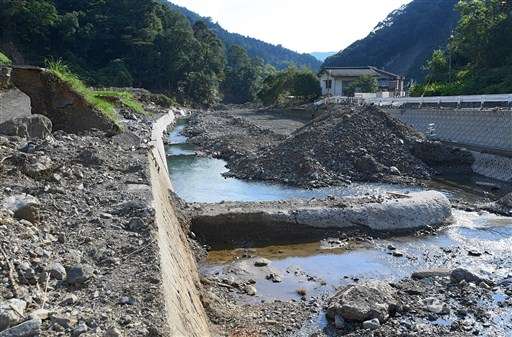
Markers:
point(309, 220)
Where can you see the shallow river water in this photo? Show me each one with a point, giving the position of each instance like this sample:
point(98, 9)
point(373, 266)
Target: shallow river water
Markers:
point(320, 270)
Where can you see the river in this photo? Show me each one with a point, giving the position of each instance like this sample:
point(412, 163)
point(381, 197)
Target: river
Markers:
point(478, 241)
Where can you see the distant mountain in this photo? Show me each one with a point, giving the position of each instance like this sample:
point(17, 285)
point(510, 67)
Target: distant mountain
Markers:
point(321, 56)
point(277, 56)
point(404, 40)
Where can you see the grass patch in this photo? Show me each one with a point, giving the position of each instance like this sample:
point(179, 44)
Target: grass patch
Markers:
point(4, 60)
point(59, 69)
point(125, 97)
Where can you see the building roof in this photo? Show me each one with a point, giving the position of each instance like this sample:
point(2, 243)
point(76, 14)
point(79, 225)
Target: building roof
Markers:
point(358, 71)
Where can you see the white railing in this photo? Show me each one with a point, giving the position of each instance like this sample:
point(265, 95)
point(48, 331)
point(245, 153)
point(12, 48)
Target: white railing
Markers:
point(459, 100)
point(439, 100)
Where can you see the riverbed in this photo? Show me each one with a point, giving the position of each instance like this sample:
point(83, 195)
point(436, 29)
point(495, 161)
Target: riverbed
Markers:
point(477, 241)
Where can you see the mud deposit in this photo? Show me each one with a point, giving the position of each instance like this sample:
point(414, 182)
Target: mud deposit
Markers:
point(286, 290)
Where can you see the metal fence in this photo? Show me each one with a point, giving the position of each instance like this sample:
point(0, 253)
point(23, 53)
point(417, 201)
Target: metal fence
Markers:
point(469, 101)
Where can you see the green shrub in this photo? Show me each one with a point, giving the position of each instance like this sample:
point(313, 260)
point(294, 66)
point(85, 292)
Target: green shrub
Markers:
point(4, 60)
point(125, 98)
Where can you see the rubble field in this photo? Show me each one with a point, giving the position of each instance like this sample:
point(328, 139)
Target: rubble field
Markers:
point(77, 253)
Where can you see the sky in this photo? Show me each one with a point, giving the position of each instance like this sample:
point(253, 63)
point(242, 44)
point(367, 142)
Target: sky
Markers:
point(301, 25)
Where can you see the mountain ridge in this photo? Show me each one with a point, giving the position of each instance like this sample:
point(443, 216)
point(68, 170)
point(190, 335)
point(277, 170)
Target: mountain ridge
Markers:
point(403, 41)
point(276, 55)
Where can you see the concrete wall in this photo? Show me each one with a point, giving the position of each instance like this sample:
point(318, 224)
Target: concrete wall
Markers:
point(487, 129)
point(185, 314)
point(479, 130)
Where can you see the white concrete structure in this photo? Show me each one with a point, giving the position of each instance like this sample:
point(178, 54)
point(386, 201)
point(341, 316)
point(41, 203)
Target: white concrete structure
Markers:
point(335, 80)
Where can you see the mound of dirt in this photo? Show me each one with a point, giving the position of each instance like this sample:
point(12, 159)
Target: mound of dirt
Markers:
point(360, 143)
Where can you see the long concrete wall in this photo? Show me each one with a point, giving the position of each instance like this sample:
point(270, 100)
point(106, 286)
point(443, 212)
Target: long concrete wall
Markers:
point(487, 129)
point(480, 130)
point(185, 314)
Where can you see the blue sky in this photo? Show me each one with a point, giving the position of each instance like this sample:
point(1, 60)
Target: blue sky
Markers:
point(301, 25)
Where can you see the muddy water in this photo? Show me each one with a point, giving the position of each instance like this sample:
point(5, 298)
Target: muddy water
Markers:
point(319, 270)
point(321, 267)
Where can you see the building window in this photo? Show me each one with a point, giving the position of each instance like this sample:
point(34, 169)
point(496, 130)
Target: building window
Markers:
point(328, 84)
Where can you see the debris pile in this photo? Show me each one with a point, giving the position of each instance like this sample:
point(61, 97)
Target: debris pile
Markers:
point(349, 143)
point(77, 252)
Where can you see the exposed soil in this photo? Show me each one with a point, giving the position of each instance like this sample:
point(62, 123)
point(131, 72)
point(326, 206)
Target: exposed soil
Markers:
point(77, 245)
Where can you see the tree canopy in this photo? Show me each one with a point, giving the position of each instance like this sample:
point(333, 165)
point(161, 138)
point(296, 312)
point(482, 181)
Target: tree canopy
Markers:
point(478, 58)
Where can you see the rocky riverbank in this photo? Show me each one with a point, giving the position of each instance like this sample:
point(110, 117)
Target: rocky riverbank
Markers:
point(341, 145)
point(429, 303)
point(78, 251)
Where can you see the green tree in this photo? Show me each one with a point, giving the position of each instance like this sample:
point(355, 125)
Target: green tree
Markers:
point(302, 84)
point(437, 67)
point(242, 76)
point(365, 83)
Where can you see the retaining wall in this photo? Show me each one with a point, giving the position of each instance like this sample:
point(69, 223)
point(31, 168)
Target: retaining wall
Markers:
point(185, 314)
point(488, 129)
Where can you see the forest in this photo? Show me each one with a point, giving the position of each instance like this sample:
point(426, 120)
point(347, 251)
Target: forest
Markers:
point(136, 43)
point(478, 57)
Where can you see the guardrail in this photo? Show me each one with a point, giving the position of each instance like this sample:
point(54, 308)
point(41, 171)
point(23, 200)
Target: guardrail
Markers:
point(458, 101)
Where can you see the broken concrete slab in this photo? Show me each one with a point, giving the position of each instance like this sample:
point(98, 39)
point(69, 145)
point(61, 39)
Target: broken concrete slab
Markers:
point(386, 213)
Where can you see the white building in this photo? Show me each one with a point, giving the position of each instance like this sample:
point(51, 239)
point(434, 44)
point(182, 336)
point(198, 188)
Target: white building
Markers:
point(335, 80)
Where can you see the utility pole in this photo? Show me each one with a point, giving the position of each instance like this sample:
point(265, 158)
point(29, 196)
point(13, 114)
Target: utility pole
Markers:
point(450, 60)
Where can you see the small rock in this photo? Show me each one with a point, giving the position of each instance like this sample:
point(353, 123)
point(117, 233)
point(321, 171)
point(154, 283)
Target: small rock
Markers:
point(460, 274)
point(474, 253)
point(127, 300)
point(250, 290)
point(79, 275)
point(113, 332)
point(80, 329)
point(69, 300)
point(57, 271)
point(435, 306)
point(274, 278)
point(67, 322)
point(261, 262)
point(371, 324)
point(394, 170)
point(31, 328)
point(11, 312)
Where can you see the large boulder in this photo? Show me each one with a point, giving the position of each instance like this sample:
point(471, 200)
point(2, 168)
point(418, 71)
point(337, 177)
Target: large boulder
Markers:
point(24, 206)
point(54, 98)
point(363, 302)
point(506, 201)
point(35, 126)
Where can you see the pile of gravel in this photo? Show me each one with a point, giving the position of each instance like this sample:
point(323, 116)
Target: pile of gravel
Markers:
point(347, 143)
